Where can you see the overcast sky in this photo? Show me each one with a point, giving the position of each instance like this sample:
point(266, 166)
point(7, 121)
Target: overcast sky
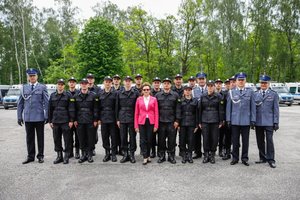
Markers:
point(158, 8)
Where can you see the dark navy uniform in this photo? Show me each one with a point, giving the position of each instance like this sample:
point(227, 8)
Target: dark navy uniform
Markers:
point(125, 106)
point(86, 115)
point(188, 123)
point(211, 115)
point(61, 112)
point(240, 114)
point(73, 132)
point(169, 112)
point(267, 120)
point(179, 90)
point(107, 116)
point(197, 92)
point(33, 110)
point(118, 136)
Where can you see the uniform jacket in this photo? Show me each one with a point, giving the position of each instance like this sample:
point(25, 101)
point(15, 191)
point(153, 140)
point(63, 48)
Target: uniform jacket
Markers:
point(178, 90)
point(211, 108)
point(33, 104)
point(86, 106)
point(197, 92)
point(125, 105)
point(168, 106)
point(267, 108)
point(61, 108)
point(241, 107)
point(141, 112)
point(107, 103)
point(154, 92)
point(189, 112)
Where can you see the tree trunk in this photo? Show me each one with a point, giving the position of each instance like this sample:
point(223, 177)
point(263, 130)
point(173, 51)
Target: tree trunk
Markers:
point(16, 54)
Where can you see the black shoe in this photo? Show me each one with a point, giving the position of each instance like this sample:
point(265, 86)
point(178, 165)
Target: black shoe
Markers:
point(184, 159)
point(114, 158)
point(77, 156)
point(260, 162)
point(41, 160)
point(245, 163)
point(153, 154)
point(190, 157)
point(28, 160)
point(125, 158)
point(171, 159)
point(226, 157)
point(205, 159)
point(59, 158)
point(66, 158)
point(90, 158)
point(94, 152)
point(212, 159)
point(83, 157)
point(234, 162)
point(132, 158)
point(161, 159)
point(197, 155)
point(272, 165)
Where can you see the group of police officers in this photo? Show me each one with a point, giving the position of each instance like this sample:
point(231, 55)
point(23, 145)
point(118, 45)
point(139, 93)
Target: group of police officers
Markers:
point(200, 111)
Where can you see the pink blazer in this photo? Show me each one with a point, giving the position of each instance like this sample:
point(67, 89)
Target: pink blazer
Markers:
point(141, 112)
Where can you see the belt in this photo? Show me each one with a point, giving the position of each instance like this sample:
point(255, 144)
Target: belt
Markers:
point(166, 108)
point(126, 108)
point(85, 109)
point(210, 109)
point(188, 113)
point(107, 109)
point(61, 108)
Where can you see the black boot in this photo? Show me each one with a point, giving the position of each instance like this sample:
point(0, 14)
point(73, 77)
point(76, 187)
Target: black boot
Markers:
point(77, 156)
point(212, 158)
point(125, 157)
point(184, 157)
point(153, 153)
point(227, 155)
point(59, 158)
point(107, 156)
point(66, 158)
point(190, 157)
point(132, 158)
point(221, 152)
point(162, 158)
point(90, 157)
point(171, 158)
point(83, 157)
point(206, 158)
point(113, 157)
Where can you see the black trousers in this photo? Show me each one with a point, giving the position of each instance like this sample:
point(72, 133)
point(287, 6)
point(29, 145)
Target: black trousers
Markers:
point(262, 133)
point(86, 136)
point(210, 132)
point(167, 132)
point(127, 129)
point(154, 141)
point(60, 130)
point(74, 139)
point(96, 135)
point(31, 128)
point(186, 136)
point(222, 134)
point(197, 141)
point(108, 133)
point(227, 140)
point(146, 135)
point(236, 132)
point(118, 138)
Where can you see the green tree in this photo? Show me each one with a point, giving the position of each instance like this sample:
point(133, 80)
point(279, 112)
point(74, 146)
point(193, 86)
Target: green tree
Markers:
point(99, 49)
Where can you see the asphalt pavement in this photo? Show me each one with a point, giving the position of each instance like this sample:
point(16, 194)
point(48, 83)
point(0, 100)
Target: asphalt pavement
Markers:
point(109, 180)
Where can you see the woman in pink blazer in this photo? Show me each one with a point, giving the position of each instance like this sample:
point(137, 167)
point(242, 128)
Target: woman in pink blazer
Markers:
point(146, 120)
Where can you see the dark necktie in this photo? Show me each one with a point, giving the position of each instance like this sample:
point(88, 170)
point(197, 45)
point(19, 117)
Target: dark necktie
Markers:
point(202, 90)
point(241, 91)
point(32, 87)
point(264, 93)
